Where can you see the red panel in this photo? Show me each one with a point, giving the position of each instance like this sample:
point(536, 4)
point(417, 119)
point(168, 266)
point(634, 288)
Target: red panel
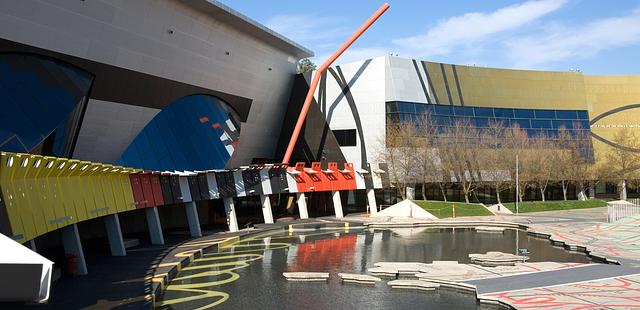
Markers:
point(302, 178)
point(350, 176)
point(333, 177)
point(317, 177)
point(146, 189)
point(136, 187)
point(156, 189)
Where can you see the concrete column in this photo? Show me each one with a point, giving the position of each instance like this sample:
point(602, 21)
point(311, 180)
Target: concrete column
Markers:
point(230, 209)
point(337, 204)
point(114, 234)
point(73, 246)
point(371, 199)
point(155, 229)
point(266, 209)
point(623, 190)
point(192, 219)
point(592, 190)
point(302, 206)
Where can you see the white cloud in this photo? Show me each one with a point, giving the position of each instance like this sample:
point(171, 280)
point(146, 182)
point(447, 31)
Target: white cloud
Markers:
point(306, 28)
point(472, 28)
point(561, 43)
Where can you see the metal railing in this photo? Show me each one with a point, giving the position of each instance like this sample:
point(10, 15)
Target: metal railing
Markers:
point(617, 212)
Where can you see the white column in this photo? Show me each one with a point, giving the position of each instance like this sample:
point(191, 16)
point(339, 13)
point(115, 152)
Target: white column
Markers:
point(266, 209)
point(114, 234)
point(230, 210)
point(371, 199)
point(623, 190)
point(337, 204)
point(192, 219)
point(155, 229)
point(73, 246)
point(302, 206)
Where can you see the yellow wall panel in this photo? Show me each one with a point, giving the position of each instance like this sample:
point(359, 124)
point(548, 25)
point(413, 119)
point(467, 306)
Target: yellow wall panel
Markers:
point(8, 161)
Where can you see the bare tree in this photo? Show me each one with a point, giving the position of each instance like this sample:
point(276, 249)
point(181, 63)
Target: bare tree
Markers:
point(458, 150)
point(541, 168)
point(399, 154)
point(495, 158)
point(623, 160)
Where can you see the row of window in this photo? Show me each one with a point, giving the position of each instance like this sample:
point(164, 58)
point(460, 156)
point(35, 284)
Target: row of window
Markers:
point(448, 110)
point(483, 122)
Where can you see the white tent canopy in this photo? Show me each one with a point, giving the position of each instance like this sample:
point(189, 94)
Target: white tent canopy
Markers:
point(24, 274)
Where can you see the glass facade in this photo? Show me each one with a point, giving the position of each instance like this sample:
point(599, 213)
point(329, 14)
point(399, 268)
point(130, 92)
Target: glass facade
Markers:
point(197, 132)
point(536, 122)
point(42, 102)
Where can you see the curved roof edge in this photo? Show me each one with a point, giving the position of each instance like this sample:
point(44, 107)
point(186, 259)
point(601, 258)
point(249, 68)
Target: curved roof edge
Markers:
point(225, 14)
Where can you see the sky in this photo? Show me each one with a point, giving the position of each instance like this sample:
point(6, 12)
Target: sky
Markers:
point(591, 36)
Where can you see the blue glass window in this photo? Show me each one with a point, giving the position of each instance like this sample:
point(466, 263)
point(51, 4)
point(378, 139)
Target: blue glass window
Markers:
point(503, 113)
point(583, 115)
point(406, 107)
point(197, 132)
point(557, 124)
point(484, 112)
point(442, 120)
point(482, 122)
point(41, 99)
point(563, 114)
point(522, 123)
point(443, 109)
point(536, 123)
point(392, 107)
point(550, 114)
point(462, 111)
point(421, 108)
point(524, 113)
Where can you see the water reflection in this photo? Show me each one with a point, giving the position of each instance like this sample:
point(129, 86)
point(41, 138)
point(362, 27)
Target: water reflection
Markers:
point(260, 284)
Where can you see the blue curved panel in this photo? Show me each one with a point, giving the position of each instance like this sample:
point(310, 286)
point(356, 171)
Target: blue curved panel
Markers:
point(197, 132)
point(39, 97)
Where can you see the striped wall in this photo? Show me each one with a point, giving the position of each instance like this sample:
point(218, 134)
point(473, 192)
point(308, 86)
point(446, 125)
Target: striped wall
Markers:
point(41, 194)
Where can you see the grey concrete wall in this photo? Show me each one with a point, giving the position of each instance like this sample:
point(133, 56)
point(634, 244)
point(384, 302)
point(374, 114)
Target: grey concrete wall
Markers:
point(108, 128)
point(170, 39)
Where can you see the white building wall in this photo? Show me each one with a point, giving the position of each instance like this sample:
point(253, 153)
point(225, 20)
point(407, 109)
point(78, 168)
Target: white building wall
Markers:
point(368, 91)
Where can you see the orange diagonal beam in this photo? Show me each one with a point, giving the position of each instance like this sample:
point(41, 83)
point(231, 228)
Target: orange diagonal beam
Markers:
point(318, 73)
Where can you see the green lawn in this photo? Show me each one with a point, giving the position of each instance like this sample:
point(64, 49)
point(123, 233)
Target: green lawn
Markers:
point(537, 206)
point(442, 209)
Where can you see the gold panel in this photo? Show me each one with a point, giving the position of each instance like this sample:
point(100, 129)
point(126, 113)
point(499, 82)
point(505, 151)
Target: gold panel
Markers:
point(607, 93)
point(502, 88)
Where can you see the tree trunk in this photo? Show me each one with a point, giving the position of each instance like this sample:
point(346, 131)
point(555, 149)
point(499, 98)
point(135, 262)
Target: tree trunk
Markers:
point(564, 189)
point(466, 197)
point(444, 193)
point(424, 191)
point(498, 194)
point(542, 192)
point(623, 190)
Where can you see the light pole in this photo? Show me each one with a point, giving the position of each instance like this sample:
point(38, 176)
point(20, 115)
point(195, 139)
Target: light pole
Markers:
point(517, 187)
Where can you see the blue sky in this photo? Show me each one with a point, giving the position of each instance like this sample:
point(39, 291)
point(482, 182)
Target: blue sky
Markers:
point(594, 36)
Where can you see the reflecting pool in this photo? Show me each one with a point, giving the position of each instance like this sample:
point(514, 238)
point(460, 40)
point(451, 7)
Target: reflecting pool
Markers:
point(248, 275)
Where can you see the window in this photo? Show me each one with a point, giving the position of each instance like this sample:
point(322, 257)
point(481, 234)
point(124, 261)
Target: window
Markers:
point(524, 113)
point(486, 112)
point(345, 137)
point(567, 114)
point(545, 114)
point(504, 113)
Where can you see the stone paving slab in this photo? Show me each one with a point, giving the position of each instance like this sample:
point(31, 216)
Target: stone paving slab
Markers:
point(306, 276)
point(612, 293)
point(413, 285)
